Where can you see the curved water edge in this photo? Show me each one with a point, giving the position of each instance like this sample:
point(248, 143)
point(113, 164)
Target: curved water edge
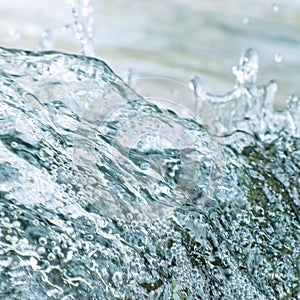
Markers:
point(230, 231)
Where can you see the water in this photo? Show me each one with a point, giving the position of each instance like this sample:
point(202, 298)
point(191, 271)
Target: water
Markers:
point(83, 25)
point(173, 38)
point(111, 191)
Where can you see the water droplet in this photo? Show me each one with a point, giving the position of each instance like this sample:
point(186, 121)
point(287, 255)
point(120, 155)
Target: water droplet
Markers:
point(277, 57)
point(90, 237)
point(245, 21)
point(275, 8)
point(129, 216)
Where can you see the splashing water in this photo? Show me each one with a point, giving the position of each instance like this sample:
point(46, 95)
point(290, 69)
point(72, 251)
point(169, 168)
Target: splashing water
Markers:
point(83, 25)
point(107, 194)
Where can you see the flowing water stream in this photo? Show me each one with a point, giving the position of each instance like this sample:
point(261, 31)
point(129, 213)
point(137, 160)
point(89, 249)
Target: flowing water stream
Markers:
point(122, 190)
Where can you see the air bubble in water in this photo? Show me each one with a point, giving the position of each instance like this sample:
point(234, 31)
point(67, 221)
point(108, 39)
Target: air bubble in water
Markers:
point(50, 256)
point(42, 241)
point(14, 144)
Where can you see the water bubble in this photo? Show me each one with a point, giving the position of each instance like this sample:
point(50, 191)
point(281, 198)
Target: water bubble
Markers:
point(56, 250)
point(51, 256)
point(90, 237)
point(42, 241)
point(14, 144)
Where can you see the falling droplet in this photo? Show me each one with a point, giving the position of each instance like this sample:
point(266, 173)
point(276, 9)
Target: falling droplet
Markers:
point(245, 21)
point(275, 8)
point(277, 57)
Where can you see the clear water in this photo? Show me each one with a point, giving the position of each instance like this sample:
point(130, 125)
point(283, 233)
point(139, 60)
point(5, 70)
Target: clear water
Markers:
point(171, 38)
point(117, 191)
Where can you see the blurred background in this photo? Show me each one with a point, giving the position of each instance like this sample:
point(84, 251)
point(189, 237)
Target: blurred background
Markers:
point(171, 38)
